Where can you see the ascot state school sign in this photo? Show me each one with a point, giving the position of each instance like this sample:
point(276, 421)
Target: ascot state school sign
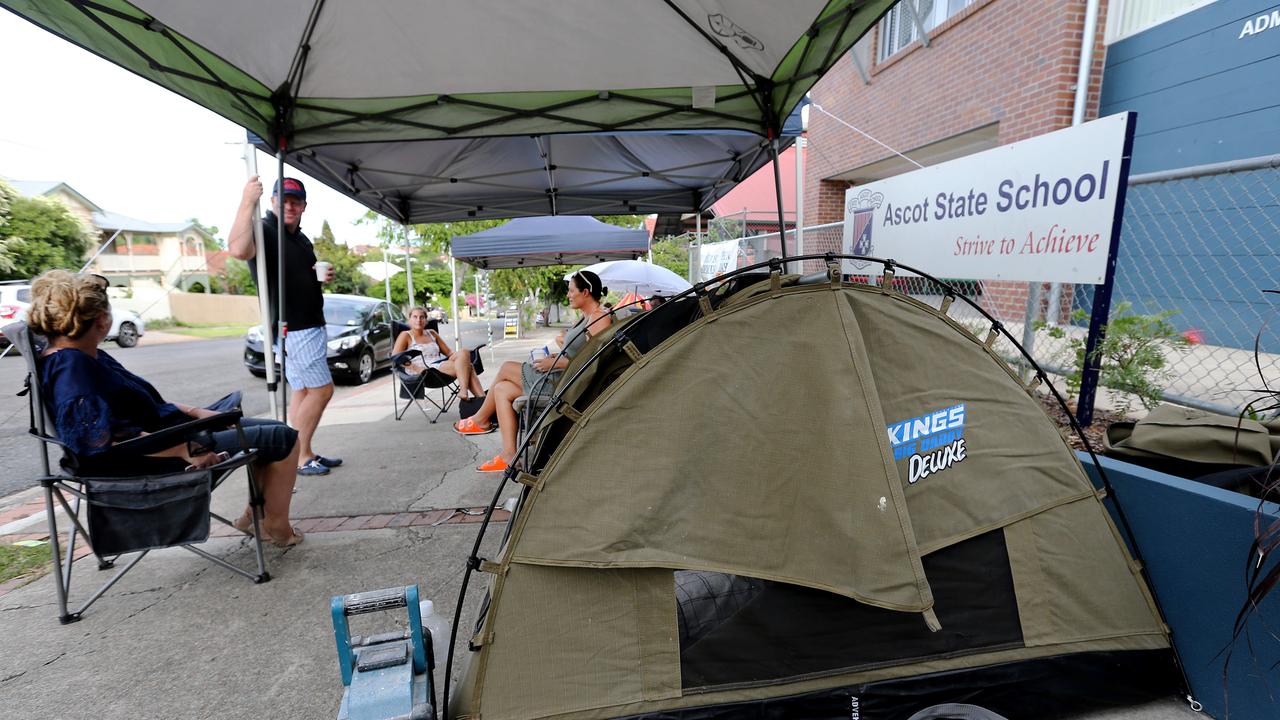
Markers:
point(1039, 210)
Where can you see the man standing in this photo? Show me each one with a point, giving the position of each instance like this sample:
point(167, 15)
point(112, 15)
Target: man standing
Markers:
point(306, 368)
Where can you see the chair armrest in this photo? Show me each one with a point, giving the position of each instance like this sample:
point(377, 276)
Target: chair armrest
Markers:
point(403, 358)
point(170, 436)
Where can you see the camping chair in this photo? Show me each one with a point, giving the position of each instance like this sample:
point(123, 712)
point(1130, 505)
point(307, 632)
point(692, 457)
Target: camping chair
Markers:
point(131, 512)
point(418, 387)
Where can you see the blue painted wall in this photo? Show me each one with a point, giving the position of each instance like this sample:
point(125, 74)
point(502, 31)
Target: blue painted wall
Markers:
point(1203, 94)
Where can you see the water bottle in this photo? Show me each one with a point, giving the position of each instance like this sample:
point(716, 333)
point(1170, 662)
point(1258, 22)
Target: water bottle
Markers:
point(439, 630)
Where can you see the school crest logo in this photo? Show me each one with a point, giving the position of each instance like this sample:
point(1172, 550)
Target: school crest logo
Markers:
point(863, 206)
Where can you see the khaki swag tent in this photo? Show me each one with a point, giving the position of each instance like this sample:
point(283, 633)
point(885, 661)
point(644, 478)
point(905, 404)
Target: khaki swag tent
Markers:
point(799, 498)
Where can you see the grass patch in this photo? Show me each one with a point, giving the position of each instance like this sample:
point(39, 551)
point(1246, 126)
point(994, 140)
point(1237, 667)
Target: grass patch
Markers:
point(211, 331)
point(16, 561)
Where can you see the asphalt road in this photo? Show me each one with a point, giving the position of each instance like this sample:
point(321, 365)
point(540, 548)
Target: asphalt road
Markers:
point(196, 373)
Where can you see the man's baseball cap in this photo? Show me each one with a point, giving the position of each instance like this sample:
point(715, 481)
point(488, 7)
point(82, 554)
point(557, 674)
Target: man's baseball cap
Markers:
point(292, 187)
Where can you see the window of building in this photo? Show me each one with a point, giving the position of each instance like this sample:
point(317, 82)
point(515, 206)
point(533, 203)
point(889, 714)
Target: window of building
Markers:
point(1129, 17)
point(899, 29)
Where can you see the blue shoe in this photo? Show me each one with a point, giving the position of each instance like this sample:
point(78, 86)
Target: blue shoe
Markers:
point(313, 467)
point(328, 462)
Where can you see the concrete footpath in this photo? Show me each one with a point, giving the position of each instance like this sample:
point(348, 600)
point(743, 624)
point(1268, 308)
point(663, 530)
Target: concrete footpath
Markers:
point(179, 637)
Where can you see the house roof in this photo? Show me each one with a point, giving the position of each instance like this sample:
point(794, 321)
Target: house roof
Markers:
point(103, 219)
point(37, 188)
point(107, 220)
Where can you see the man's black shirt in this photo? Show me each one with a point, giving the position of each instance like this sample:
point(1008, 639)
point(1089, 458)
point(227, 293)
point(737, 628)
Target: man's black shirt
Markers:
point(303, 299)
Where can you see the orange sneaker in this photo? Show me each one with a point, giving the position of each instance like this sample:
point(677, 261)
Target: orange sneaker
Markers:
point(467, 426)
point(497, 464)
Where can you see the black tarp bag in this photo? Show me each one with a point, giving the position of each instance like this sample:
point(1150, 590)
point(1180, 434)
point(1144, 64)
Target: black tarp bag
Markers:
point(132, 514)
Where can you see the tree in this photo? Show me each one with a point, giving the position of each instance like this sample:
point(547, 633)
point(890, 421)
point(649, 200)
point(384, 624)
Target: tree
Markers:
point(213, 243)
point(347, 277)
point(8, 249)
point(672, 255)
point(545, 282)
point(234, 279)
point(37, 234)
point(436, 237)
point(626, 221)
point(426, 284)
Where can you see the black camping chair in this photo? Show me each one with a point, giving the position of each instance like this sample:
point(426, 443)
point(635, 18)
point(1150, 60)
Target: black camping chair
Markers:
point(132, 512)
point(417, 388)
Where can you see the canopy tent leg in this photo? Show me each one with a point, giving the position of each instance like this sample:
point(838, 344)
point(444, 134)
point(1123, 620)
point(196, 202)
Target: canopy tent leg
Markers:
point(799, 232)
point(283, 324)
point(387, 282)
point(453, 299)
point(408, 265)
point(264, 298)
point(777, 188)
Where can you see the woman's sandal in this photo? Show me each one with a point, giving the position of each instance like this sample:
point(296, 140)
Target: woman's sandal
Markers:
point(243, 524)
point(294, 539)
point(467, 426)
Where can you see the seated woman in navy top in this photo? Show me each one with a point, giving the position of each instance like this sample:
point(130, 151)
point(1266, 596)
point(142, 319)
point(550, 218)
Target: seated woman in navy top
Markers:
point(96, 403)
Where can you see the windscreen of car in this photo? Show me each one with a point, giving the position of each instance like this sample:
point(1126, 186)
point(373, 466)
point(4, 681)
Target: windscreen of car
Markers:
point(341, 312)
point(24, 295)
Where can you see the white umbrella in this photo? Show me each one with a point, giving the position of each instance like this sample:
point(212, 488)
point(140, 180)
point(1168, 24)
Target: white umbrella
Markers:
point(642, 278)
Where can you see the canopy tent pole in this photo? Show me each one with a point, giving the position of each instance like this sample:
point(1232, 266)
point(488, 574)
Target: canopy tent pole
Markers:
point(799, 146)
point(453, 298)
point(264, 297)
point(777, 188)
point(386, 279)
point(408, 265)
point(280, 254)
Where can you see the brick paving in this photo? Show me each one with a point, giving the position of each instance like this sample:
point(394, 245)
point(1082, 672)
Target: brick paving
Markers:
point(338, 523)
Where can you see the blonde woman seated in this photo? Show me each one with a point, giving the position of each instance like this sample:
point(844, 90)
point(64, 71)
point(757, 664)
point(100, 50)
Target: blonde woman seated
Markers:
point(422, 336)
point(96, 403)
point(538, 376)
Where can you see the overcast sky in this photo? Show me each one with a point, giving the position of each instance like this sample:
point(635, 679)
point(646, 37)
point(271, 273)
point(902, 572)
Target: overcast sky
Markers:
point(129, 145)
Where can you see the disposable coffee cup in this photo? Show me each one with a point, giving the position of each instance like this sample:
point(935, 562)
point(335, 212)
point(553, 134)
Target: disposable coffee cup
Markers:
point(539, 353)
point(322, 270)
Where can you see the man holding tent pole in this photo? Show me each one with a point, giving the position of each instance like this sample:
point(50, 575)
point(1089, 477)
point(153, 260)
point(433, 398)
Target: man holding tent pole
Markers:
point(306, 370)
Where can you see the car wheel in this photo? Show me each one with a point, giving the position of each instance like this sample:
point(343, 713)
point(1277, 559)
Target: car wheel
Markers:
point(128, 335)
point(364, 373)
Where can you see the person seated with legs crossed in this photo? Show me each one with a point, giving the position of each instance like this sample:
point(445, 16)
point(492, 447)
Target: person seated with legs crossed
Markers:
point(95, 402)
point(423, 336)
point(537, 376)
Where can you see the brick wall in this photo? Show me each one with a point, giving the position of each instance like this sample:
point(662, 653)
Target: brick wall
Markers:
point(1009, 62)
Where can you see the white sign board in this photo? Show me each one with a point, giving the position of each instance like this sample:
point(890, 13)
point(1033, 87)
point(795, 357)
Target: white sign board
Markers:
point(1037, 210)
point(717, 259)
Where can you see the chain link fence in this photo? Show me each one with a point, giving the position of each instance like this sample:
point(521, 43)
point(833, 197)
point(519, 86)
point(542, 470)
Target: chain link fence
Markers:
point(1199, 247)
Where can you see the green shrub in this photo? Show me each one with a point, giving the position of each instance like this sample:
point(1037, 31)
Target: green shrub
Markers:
point(1132, 353)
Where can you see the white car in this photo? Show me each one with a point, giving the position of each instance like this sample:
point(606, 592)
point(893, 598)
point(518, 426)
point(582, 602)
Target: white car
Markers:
point(15, 298)
point(126, 327)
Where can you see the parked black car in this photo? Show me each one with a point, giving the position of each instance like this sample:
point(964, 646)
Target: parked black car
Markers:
point(361, 333)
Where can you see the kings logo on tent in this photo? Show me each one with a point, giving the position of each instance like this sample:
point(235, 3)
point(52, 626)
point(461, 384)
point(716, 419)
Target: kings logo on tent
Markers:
point(863, 206)
point(930, 443)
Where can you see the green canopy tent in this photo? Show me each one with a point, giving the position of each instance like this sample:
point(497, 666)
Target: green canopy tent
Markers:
point(404, 105)
point(430, 112)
